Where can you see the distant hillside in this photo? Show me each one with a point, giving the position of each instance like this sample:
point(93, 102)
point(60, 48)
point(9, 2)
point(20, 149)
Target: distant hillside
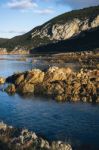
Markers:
point(2, 40)
point(61, 28)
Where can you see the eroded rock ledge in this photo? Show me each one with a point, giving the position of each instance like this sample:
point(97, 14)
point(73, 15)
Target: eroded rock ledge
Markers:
point(21, 139)
point(61, 84)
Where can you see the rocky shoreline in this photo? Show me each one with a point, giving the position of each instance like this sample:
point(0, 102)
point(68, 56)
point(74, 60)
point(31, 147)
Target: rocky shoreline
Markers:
point(4, 51)
point(21, 139)
point(61, 84)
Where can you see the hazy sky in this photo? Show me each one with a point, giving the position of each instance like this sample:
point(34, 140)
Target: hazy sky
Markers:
point(20, 16)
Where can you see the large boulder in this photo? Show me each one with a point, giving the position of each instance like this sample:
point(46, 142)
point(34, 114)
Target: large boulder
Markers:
point(34, 76)
point(25, 88)
point(57, 74)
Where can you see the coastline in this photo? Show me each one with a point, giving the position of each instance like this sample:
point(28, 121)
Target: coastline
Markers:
point(21, 139)
point(59, 83)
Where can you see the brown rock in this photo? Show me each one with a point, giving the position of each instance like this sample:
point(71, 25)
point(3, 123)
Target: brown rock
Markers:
point(35, 76)
point(11, 89)
point(19, 79)
point(2, 80)
point(25, 88)
point(57, 74)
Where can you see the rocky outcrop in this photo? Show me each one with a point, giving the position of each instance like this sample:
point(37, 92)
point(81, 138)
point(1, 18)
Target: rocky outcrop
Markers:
point(19, 51)
point(3, 51)
point(2, 80)
point(22, 139)
point(57, 74)
point(68, 29)
point(62, 84)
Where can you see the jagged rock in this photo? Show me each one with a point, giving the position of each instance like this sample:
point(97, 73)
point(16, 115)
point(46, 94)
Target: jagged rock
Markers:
point(60, 146)
point(3, 126)
point(66, 30)
point(57, 74)
point(11, 89)
point(25, 88)
point(43, 144)
point(2, 80)
point(22, 139)
point(35, 76)
point(61, 84)
point(58, 89)
point(19, 79)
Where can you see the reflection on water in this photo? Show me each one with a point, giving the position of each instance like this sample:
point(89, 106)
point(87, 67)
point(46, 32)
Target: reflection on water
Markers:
point(77, 123)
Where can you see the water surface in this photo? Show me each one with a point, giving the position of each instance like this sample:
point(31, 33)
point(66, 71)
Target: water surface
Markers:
point(75, 123)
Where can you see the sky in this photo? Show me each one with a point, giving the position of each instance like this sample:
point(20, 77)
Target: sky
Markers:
point(20, 16)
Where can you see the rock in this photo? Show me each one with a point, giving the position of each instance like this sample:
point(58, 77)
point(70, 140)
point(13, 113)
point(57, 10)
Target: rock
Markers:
point(22, 139)
point(11, 89)
point(34, 76)
point(60, 146)
point(97, 100)
point(75, 98)
point(57, 74)
point(25, 88)
point(2, 80)
point(67, 29)
point(58, 89)
point(43, 144)
point(19, 79)
point(84, 99)
point(3, 126)
point(59, 98)
point(62, 84)
point(13, 78)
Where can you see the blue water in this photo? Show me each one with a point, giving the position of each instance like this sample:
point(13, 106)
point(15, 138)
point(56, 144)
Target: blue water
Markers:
point(76, 123)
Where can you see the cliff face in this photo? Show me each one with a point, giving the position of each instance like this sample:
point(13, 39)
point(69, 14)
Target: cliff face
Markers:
point(66, 30)
point(63, 27)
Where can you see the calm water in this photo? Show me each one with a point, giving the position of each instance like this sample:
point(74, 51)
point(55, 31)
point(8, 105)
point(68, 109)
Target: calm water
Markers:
point(76, 123)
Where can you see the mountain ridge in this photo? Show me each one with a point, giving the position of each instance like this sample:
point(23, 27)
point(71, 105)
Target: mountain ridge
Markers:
point(62, 27)
point(85, 41)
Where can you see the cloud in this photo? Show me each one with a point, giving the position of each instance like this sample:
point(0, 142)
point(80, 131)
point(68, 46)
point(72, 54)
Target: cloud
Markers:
point(21, 4)
point(13, 32)
point(44, 11)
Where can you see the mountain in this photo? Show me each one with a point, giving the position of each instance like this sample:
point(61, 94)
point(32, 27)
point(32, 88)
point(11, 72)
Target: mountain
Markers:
point(73, 26)
point(3, 40)
point(86, 41)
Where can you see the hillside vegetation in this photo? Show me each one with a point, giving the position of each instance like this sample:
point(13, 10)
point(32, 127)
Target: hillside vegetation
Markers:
point(48, 32)
point(86, 41)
